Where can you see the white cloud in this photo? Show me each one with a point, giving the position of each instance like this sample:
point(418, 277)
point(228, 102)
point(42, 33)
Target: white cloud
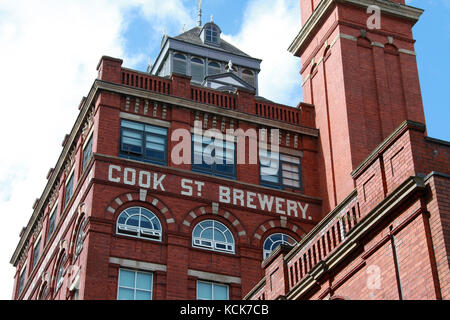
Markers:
point(269, 28)
point(48, 58)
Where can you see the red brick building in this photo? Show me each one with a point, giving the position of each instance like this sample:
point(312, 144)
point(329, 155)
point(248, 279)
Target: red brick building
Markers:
point(361, 193)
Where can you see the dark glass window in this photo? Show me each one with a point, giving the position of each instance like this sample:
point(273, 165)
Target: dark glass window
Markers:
point(211, 34)
point(69, 191)
point(21, 281)
point(279, 170)
point(179, 63)
point(87, 151)
point(36, 252)
point(51, 223)
point(143, 142)
point(197, 70)
point(276, 239)
point(217, 156)
point(213, 68)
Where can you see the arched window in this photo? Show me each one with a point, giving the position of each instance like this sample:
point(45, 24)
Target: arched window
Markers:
point(248, 76)
point(79, 240)
point(213, 68)
point(179, 63)
point(60, 271)
point(276, 239)
point(197, 70)
point(213, 235)
point(140, 223)
point(212, 34)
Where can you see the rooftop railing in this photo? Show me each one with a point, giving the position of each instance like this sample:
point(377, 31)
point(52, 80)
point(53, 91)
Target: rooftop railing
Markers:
point(145, 81)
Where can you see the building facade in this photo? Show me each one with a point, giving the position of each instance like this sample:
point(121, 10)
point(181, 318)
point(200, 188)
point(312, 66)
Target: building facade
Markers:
point(359, 198)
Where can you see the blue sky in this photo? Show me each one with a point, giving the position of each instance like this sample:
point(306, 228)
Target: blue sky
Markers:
point(50, 50)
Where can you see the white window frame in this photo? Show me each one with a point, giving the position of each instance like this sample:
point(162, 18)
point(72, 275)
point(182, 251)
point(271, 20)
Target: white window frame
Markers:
point(212, 289)
point(138, 229)
point(197, 241)
point(135, 279)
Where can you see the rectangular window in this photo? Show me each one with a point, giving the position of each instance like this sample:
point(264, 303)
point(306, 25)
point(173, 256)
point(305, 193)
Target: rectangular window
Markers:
point(21, 281)
point(69, 191)
point(213, 157)
point(36, 252)
point(51, 223)
point(211, 291)
point(134, 285)
point(87, 151)
point(143, 142)
point(279, 170)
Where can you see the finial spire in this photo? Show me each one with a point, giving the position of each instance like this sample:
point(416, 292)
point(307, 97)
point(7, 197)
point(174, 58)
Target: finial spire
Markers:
point(200, 13)
point(212, 18)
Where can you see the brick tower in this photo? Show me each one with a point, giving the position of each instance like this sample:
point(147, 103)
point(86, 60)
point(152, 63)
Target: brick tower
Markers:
point(383, 181)
point(359, 70)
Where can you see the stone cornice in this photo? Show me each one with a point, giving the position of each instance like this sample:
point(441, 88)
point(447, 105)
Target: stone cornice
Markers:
point(324, 7)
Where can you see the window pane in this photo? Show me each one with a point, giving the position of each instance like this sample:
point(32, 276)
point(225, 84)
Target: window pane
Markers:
point(179, 66)
point(133, 221)
point(87, 151)
point(125, 294)
point(291, 183)
point(208, 234)
point(36, 253)
point(132, 134)
point(132, 125)
point(126, 278)
point(143, 295)
point(204, 291)
point(197, 72)
point(290, 175)
point(220, 292)
point(156, 130)
point(218, 236)
point(144, 281)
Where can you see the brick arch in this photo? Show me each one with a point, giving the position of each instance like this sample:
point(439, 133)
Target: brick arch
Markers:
point(210, 210)
point(142, 196)
point(271, 224)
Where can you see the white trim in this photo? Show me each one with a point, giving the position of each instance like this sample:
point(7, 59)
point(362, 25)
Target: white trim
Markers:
point(69, 176)
point(214, 277)
point(37, 240)
point(412, 53)
point(138, 265)
point(146, 120)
